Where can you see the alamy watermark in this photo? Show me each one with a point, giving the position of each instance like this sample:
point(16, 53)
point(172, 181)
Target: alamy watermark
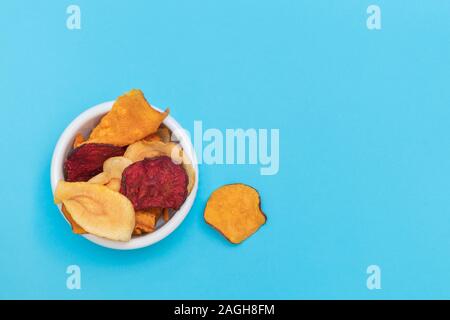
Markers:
point(373, 281)
point(73, 281)
point(73, 21)
point(373, 21)
point(238, 146)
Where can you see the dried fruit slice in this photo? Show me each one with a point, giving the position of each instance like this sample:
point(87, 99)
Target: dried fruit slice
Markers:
point(155, 183)
point(114, 184)
point(97, 209)
point(112, 170)
point(87, 160)
point(187, 165)
point(114, 166)
point(131, 119)
point(75, 226)
point(146, 221)
point(101, 178)
point(79, 139)
point(164, 133)
point(234, 210)
point(149, 149)
point(166, 215)
point(152, 137)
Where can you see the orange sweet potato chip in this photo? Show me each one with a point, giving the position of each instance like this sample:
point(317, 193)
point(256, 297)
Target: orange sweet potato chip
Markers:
point(234, 210)
point(76, 228)
point(79, 139)
point(131, 119)
point(166, 214)
point(146, 221)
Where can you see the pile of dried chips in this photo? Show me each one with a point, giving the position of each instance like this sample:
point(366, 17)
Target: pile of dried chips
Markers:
point(126, 175)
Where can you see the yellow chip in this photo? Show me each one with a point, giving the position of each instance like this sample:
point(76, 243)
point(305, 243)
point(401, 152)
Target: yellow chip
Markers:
point(97, 209)
point(112, 170)
point(114, 184)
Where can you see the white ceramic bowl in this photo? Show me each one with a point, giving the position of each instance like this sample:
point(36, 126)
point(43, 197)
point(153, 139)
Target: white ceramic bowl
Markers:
point(84, 123)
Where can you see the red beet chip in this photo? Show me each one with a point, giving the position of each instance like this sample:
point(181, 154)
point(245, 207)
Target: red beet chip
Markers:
point(86, 161)
point(155, 183)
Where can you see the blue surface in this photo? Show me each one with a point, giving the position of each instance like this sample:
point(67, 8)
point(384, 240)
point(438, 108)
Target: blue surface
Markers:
point(364, 151)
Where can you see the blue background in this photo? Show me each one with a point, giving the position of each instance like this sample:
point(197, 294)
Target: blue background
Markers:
point(364, 151)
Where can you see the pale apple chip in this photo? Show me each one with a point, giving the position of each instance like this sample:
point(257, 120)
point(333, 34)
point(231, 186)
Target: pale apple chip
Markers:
point(114, 166)
point(114, 184)
point(112, 169)
point(234, 210)
point(150, 149)
point(97, 209)
point(187, 165)
point(131, 119)
point(101, 178)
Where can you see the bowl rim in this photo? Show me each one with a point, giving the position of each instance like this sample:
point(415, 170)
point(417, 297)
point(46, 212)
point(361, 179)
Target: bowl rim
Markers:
point(56, 174)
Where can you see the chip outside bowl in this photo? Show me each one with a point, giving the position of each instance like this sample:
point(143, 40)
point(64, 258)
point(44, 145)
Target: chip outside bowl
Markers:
point(84, 123)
